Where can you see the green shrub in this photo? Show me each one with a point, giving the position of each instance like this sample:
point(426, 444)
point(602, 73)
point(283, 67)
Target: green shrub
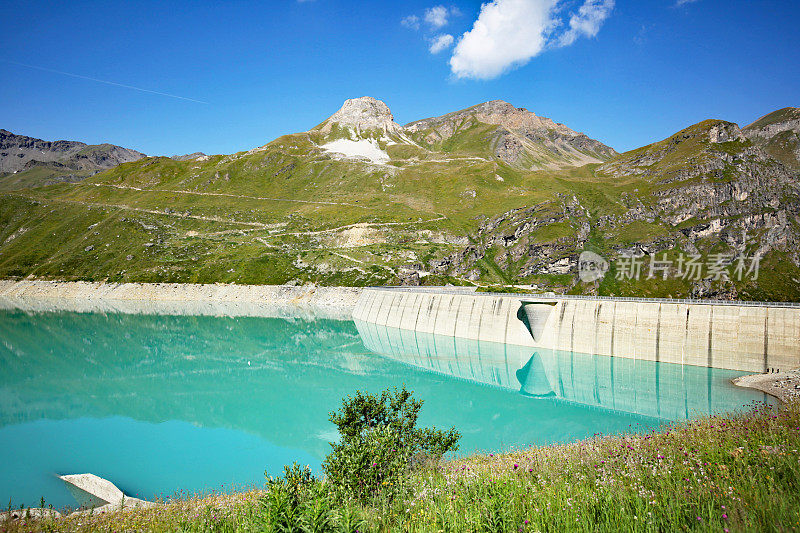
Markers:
point(297, 502)
point(380, 444)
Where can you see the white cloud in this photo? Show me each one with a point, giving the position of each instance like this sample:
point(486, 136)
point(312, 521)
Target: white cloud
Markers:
point(411, 21)
point(441, 42)
point(587, 21)
point(508, 33)
point(682, 2)
point(437, 16)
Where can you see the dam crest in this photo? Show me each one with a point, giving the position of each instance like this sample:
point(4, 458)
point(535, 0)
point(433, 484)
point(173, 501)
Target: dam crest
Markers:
point(743, 336)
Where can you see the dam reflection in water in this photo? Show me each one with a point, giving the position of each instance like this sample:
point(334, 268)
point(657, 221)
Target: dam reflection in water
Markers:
point(663, 391)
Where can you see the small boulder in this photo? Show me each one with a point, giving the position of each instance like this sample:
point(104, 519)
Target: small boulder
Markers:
point(34, 513)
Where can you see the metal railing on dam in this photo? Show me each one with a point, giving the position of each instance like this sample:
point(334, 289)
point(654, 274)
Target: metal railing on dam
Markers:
point(749, 336)
point(553, 296)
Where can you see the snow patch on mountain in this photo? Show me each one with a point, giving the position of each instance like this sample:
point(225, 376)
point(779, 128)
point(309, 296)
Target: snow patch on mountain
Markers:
point(363, 149)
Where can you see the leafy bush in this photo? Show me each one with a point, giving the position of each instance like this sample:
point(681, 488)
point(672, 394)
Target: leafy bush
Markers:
point(298, 502)
point(380, 443)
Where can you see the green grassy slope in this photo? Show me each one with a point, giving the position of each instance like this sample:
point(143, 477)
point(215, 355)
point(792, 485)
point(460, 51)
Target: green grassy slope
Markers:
point(39, 176)
point(448, 211)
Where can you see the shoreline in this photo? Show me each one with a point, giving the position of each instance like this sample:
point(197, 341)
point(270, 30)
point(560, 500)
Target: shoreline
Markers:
point(535, 478)
point(785, 386)
point(307, 301)
point(268, 301)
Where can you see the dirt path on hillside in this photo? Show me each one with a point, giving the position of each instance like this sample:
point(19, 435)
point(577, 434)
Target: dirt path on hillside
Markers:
point(252, 226)
point(358, 225)
point(229, 195)
point(258, 225)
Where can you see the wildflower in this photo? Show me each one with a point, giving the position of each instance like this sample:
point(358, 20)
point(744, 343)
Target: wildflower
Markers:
point(725, 516)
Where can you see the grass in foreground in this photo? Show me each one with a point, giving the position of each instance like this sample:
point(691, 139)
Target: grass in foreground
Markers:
point(729, 473)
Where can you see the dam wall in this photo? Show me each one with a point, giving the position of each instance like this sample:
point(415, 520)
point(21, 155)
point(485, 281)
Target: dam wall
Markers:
point(622, 385)
point(731, 335)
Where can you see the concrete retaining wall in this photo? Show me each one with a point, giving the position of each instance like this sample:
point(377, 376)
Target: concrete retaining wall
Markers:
point(179, 298)
point(667, 392)
point(739, 337)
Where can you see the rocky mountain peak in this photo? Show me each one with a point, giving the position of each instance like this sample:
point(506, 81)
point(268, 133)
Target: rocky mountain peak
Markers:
point(517, 118)
point(523, 139)
point(722, 132)
point(363, 114)
point(786, 119)
point(500, 113)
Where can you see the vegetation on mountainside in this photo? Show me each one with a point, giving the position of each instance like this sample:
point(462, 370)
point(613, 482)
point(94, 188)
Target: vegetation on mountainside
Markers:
point(737, 472)
point(204, 219)
point(445, 211)
point(39, 176)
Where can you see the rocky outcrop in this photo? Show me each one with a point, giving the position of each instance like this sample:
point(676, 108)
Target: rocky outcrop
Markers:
point(778, 133)
point(362, 115)
point(772, 124)
point(723, 132)
point(522, 137)
point(188, 157)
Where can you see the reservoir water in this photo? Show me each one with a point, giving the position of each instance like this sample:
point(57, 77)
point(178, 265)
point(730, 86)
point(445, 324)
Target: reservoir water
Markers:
point(162, 404)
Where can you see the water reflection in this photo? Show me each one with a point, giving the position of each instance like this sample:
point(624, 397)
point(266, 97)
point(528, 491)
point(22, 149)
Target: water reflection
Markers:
point(159, 403)
point(660, 390)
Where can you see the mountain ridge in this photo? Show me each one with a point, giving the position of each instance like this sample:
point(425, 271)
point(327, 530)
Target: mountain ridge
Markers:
point(297, 210)
point(29, 161)
point(515, 135)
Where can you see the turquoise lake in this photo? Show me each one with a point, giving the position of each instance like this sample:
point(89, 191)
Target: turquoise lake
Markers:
point(163, 405)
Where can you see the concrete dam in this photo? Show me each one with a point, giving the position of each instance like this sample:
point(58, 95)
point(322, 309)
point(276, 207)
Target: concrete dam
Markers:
point(740, 336)
point(622, 385)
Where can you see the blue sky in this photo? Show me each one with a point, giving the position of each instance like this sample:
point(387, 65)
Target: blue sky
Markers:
point(625, 72)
